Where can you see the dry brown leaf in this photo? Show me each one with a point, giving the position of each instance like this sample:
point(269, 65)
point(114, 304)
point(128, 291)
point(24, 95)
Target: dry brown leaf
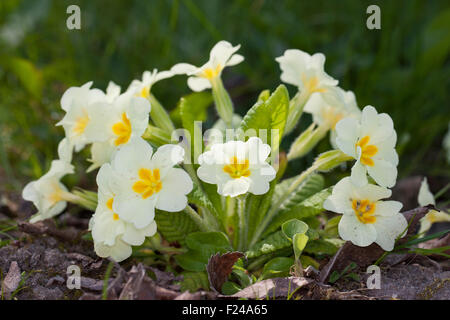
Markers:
point(219, 268)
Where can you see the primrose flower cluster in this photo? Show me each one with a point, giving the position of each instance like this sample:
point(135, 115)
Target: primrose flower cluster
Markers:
point(139, 174)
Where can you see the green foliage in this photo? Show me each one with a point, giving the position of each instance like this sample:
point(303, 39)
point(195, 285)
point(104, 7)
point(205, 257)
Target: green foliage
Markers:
point(202, 245)
point(193, 108)
point(299, 242)
point(193, 281)
point(277, 267)
point(174, 226)
point(346, 273)
point(269, 114)
point(310, 186)
point(274, 242)
point(307, 208)
point(292, 227)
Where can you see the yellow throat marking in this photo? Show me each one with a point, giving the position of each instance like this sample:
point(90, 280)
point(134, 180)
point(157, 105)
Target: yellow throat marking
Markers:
point(149, 184)
point(364, 210)
point(237, 169)
point(367, 151)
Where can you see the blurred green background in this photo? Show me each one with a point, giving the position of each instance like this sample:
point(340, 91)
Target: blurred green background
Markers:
point(402, 69)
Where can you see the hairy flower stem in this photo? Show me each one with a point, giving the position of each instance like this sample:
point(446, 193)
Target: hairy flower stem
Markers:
point(160, 116)
point(203, 226)
point(84, 198)
point(243, 225)
point(222, 99)
point(274, 209)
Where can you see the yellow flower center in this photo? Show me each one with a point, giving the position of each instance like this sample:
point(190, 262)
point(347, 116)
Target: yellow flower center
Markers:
point(312, 84)
point(367, 151)
point(145, 93)
point(210, 73)
point(55, 197)
point(81, 123)
point(237, 169)
point(109, 204)
point(364, 210)
point(332, 117)
point(149, 184)
point(122, 130)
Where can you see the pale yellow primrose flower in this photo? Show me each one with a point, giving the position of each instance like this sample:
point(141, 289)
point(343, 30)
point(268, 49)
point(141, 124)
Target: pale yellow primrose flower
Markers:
point(424, 198)
point(222, 55)
point(127, 117)
point(366, 219)
point(141, 88)
point(371, 141)
point(112, 92)
point(305, 71)
point(237, 167)
point(107, 227)
point(118, 252)
point(143, 181)
point(47, 193)
point(78, 102)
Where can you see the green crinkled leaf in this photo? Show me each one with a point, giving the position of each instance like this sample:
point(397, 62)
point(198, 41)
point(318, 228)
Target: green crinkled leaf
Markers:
point(320, 246)
point(307, 208)
point(204, 241)
point(193, 108)
point(310, 186)
point(193, 281)
point(202, 245)
point(192, 260)
point(174, 226)
point(268, 114)
point(277, 267)
point(257, 207)
point(229, 288)
point(199, 198)
point(272, 243)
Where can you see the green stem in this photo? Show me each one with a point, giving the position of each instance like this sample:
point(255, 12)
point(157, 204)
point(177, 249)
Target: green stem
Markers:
point(197, 219)
point(222, 100)
point(274, 209)
point(243, 226)
point(160, 116)
point(156, 136)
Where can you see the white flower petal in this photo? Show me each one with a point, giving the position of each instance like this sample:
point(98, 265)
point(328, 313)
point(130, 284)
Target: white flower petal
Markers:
point(234, 60)
point(358, 175)
point(135, 209)
point(118, 252)
point(388, 228)
point(384, 173)
point(372, 192)
point(387, 208)
point(183, 68)
point(198, 84)
point(135, 154)
point(235, 187)
point(168, 155)
point(360, 234)
point(222, 52)
point(425, 197)
point(175, 185)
